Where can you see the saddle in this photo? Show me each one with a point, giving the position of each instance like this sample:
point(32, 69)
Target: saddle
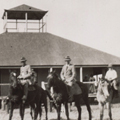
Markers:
point(31, 82)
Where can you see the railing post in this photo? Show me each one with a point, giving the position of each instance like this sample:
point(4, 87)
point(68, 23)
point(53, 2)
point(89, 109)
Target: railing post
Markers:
point(26, 18)
point(6, 21)
point(42, 25)
point(81, 74)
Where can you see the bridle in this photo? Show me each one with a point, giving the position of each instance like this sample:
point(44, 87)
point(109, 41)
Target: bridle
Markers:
point(14, 80)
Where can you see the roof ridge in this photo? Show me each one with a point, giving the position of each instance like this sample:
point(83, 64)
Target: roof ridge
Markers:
point(25, 5)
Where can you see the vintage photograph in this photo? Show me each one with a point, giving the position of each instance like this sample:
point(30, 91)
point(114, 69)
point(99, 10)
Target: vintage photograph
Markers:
point(59, 59)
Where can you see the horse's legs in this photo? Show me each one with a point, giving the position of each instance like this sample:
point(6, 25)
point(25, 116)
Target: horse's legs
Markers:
point(109, 110)
point(70, 106)
point(22, 110)
point(79, 111)
point(66, 110)
point(36, 110)
point(77, 104)
point(88, 107)
point(58, 111)
point(45, 105)
point(32, 107)
point(40, 112)
point(101, 107)
point(11, 110)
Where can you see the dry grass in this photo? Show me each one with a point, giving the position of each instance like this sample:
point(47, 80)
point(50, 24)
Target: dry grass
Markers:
point(73, 114)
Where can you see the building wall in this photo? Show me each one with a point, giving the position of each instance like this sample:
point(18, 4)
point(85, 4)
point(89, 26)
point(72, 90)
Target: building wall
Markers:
point(4, 79)
point(42, 76)
point(87, 72)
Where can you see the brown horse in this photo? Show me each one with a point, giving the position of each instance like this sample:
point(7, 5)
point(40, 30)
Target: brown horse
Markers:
point(61, 95)
point(105, 94)
point(33, 99)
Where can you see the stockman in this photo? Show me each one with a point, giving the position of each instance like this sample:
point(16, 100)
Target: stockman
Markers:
point(68, 74)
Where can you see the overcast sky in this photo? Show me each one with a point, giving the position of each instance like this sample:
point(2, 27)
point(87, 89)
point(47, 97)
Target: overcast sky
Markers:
point(95, 23)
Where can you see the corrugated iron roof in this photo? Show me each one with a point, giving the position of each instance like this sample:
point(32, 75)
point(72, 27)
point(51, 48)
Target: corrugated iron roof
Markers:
point(48, 49)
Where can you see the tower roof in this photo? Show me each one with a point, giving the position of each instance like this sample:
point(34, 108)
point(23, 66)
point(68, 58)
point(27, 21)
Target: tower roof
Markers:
point(19, 12)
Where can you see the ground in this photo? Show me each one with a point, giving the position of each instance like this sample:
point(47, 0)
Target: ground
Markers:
point(73, 114)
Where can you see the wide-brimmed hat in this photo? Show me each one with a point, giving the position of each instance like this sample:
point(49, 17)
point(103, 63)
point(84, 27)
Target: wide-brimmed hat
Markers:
point(110, 65)
point(23, 59)
point(67, 58)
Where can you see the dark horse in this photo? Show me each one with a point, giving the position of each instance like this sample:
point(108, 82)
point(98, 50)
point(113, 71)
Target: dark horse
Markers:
point(43, 101)
point(61, 95)
point(105, 94)
point(34, 98)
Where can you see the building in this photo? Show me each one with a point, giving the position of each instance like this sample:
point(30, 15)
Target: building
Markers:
point(44, 50)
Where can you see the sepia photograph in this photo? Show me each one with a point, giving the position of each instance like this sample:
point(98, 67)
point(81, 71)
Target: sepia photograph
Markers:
point(59, 59)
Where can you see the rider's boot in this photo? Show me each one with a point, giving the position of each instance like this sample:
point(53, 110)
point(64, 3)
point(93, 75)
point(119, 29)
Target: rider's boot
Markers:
point(70, 97)
point(25, 92)
point(116, 85)
point(70, 92)
point(116, 94)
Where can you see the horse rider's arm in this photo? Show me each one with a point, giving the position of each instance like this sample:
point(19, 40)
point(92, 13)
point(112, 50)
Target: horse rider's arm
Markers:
point(106, 75)
point(73, 72)
point(62, 74)
point(35, 74)
point(114, 75)
point(20, 76)
point(29, 72)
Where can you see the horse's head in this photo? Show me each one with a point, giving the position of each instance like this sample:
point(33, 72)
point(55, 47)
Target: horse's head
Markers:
point(105, 87)
point(13, 79)
point(51, 78)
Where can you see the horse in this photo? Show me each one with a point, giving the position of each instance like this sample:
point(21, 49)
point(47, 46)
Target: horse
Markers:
point(33, 98)
point(105, 94)
point(60, 95)
point(43, 101)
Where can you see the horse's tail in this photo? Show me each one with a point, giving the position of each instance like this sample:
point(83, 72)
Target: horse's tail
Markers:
point(50, 97)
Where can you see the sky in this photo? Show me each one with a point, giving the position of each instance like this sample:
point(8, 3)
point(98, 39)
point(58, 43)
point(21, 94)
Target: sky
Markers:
point(94, 23)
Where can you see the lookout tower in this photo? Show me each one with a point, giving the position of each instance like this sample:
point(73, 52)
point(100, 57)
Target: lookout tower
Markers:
point(24, 18)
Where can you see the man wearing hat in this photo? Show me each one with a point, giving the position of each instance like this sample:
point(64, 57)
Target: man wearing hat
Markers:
point(111, 75)
point(68, 74)
point(25, 74)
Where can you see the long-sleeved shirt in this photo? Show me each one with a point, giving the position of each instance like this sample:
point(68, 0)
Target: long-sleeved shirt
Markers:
point(111, 75)
point(25, 71)
point(68, 72)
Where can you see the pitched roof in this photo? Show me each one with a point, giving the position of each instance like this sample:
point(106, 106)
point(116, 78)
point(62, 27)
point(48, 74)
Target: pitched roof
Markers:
point(48, 49)
point(19, 12)
point(25, 8)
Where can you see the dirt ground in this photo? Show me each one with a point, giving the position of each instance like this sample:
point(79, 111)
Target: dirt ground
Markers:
point(73, 114)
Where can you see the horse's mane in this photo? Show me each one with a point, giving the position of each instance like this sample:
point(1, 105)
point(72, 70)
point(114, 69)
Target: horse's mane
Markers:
point(100, 91)
point(59, 83)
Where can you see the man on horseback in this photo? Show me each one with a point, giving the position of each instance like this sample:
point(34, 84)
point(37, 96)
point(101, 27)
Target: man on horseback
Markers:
point(25, 77)
point(68, 74)
point(111, 75)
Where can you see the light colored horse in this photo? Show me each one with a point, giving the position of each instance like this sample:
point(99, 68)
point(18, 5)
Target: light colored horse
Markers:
point(105, 96)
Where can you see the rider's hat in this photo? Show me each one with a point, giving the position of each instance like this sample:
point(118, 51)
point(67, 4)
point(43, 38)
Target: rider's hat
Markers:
point(23, 59)
point(110, 65)
point(67, 58)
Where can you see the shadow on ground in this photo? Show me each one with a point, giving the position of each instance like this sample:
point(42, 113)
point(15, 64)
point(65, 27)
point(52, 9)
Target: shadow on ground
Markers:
point(62, 119)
